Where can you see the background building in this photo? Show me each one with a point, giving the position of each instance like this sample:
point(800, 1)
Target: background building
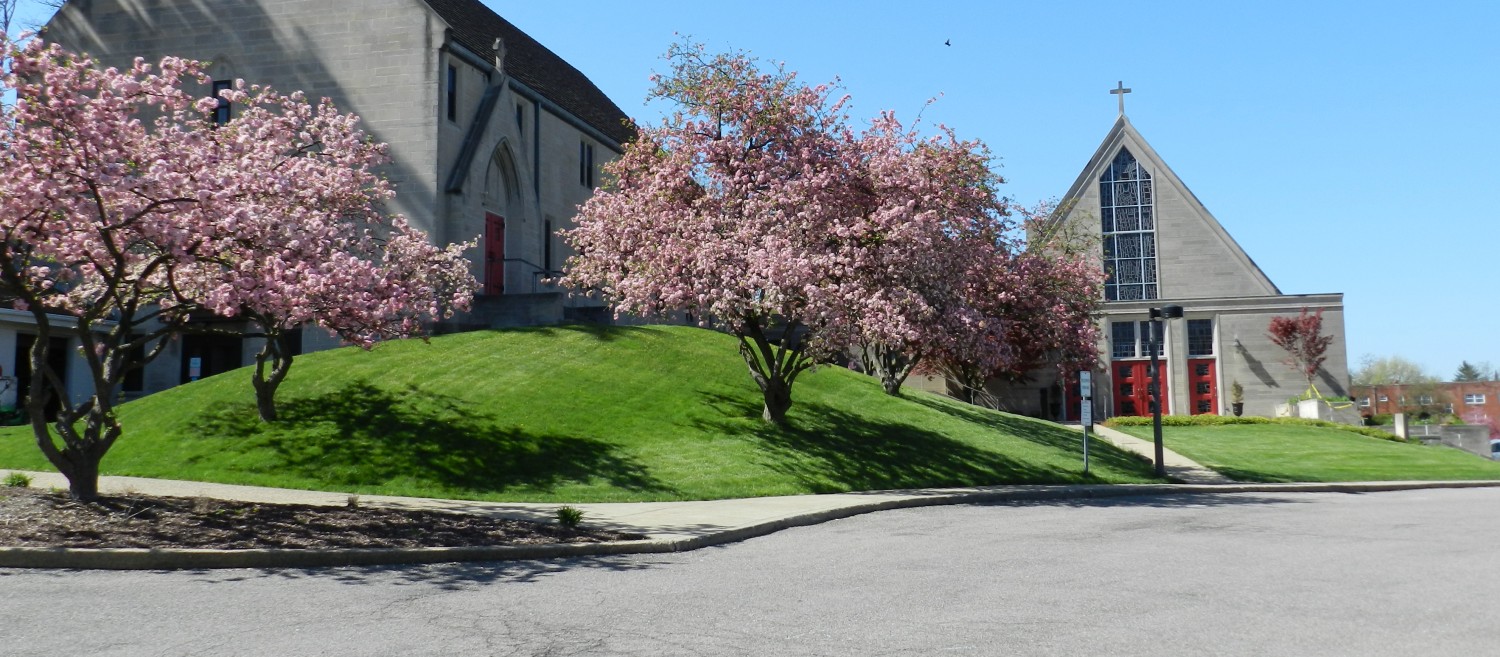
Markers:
point(1160, 246)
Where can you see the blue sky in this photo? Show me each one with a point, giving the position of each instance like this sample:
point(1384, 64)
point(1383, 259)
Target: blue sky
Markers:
point(1348, 147)
point(1344, 145)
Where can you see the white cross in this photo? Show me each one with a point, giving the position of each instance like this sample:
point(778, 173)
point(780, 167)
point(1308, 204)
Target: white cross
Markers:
point(1120, 91)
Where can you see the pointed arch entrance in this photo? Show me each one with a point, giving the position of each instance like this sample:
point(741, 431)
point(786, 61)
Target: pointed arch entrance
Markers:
point(502, 198)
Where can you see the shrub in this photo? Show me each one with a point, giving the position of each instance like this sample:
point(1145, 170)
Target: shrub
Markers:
point(18, 480)
point(569, 516)
point(1219, 420)
point(1379, 420)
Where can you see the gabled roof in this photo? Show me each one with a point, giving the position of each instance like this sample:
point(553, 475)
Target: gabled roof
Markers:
point(1124, 134)
point(476, 26)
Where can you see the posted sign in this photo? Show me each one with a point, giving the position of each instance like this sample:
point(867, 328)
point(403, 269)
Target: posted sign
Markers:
point(1085, 398)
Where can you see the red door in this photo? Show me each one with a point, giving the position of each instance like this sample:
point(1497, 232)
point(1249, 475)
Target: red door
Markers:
point(494, 254)
point(1131, 380)
point(1202, 376)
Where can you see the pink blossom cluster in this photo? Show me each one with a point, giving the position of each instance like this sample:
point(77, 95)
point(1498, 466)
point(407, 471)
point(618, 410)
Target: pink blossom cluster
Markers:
point(756, 204)
point(276, 214)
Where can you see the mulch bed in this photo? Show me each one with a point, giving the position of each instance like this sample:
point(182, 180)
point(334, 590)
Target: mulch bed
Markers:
point(38, 518)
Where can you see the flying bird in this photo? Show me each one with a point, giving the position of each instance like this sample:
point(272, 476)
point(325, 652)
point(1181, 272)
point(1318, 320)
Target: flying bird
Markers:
point(947, 42)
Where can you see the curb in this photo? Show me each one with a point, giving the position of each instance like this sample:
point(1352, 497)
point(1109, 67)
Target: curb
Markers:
point(192, 559)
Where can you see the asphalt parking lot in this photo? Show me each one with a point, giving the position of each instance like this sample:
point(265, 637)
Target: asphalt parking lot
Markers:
point(1394, 573)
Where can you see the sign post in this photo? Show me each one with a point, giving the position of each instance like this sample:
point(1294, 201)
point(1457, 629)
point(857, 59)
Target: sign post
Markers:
point(1086, 411)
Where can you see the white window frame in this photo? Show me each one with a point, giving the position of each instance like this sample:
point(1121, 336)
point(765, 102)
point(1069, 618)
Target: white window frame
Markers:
point(1474, 399)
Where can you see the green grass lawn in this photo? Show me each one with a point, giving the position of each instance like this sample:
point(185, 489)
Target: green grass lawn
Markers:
point(1281, 453)
point(577, 414)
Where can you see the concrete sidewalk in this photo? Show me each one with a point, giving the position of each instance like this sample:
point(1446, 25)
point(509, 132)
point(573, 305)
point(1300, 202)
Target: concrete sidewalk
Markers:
point(1179, 468)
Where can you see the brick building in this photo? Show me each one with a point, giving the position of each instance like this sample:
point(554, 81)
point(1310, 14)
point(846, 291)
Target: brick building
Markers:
point(1474, 402)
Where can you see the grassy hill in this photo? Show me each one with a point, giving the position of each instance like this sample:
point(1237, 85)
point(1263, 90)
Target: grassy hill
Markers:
point(577, 414)
point(1287, 452)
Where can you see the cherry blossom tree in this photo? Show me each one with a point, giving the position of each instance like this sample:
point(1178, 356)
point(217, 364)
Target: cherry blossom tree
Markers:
point(1043, 299)
point(115, 230)
point(1302, 338)
point(727, 211)
point(926, 246)
point(327, 256)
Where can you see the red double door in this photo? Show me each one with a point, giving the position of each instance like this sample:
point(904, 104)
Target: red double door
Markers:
point(1132, 387)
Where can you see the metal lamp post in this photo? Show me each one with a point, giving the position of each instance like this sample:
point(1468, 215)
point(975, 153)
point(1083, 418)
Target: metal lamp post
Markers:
point(1157, 314)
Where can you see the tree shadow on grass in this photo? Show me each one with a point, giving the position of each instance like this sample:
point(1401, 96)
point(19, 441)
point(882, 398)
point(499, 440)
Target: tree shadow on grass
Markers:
point(829, 450)
point(600, 332)
point(1041, 433)
point(362, 435)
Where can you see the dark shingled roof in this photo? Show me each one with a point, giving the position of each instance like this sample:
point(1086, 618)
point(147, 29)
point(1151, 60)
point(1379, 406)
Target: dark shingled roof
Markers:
point(475, 27)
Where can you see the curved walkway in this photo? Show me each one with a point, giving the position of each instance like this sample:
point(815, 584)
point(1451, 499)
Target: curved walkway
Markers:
point(1179, 468)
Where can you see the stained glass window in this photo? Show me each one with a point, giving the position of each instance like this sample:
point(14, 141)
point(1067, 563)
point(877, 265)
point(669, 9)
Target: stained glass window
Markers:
point(1129, 226)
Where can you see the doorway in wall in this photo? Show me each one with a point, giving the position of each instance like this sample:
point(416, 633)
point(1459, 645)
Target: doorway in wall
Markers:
point(494, 253)
point(57, 359)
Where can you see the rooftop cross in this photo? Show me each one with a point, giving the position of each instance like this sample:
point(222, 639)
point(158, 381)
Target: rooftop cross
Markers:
point(1120, 91)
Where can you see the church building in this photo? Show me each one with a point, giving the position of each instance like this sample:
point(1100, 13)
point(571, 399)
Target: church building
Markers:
point(491, 134)
point(1160, 246)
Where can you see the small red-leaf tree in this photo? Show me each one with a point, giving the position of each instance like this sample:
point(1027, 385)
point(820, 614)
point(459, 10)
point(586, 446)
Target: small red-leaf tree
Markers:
point(1302, 338)
point(111, 228)
point(727, 211)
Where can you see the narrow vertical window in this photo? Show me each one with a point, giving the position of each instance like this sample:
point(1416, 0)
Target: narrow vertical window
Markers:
point(1122, 337)
point(586, 164)
point(452, 93)
point(520, 119)
point(1129, 230)
point(222, 112)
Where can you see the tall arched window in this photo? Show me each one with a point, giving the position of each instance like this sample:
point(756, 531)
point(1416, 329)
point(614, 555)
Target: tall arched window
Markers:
point(1129, 228)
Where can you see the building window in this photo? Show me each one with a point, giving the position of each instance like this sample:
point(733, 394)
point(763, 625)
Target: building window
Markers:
point(1474, 399)
point(1384, 399)
point(1200, 337)
point(452, 93)
point(1133, 340)
point(222, 112)
point(1448, 408)
point(1424, 399)
point(1129, 230)
point(586, 164)
point(520, 119)
point(135, 377)
point(1122, 336)
point(1364, 402)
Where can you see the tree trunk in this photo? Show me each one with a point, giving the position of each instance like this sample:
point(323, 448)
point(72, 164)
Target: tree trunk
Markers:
point(265, 386)
point(83, 479)
point(774, 366)
point(778, 400)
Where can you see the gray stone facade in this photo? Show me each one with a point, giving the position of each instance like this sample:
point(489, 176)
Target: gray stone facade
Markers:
point(476, 132)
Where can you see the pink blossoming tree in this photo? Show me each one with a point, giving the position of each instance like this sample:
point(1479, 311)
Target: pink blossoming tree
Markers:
point(114, 230)
point(756, 207)
point(924, 249)
point(726, 211)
